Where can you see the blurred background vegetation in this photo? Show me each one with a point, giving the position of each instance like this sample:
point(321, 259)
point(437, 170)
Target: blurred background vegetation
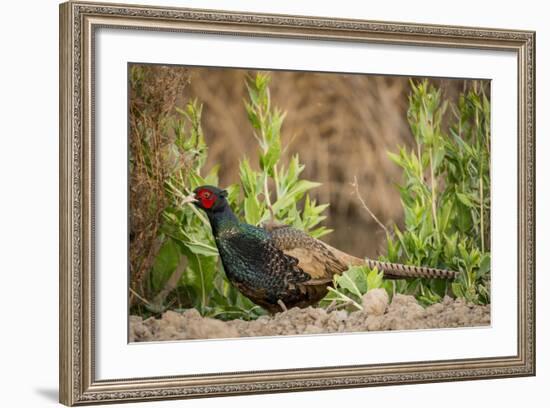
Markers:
point(193, 121)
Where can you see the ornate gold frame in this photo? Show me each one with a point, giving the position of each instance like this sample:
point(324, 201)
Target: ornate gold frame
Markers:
point(77, 24)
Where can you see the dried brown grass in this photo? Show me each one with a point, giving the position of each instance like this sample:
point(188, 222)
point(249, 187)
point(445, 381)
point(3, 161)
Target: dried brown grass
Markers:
point(154, 92)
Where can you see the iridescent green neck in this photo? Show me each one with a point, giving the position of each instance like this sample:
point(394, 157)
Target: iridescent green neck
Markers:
point(222, 220)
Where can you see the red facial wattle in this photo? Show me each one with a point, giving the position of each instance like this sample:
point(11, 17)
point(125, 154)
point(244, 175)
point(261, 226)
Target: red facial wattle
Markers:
point(208, 202)
point(207, 198)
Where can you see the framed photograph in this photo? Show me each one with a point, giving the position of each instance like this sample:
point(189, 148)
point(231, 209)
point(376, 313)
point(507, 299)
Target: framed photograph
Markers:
point(258, 203)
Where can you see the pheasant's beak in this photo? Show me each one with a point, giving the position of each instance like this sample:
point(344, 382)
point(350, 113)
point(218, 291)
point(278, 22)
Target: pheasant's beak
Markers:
point(189, 199)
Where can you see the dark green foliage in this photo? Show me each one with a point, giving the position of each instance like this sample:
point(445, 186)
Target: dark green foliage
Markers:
point(446, 195)
point(446, 201)
point(349, 287)
point(275, 192)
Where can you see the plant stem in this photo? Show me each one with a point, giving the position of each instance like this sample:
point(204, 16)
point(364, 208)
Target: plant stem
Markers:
point(199, 214)
point(434, 211)
point(276, 179)
point(268, 199)
point(419, 153)
point(195, 242)
point(356, 185)
point(171, 283)
point(203, 290)
point(346, 298)
point(140, 297)
point(481, 210)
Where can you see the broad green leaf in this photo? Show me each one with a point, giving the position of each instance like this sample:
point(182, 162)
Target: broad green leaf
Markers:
point(295, 193)
point(249, 179)
point(464, 199)
point(271, 157)
point(233, 192)
point(252, 210)
point(396, 159)
point(374, 279)
point(320, 232)
point(484, 266)
point(349, 280)
point(165, 263)
point(253, 116)
point(200, 248)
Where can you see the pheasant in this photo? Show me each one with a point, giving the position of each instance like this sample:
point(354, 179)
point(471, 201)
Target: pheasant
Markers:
point(277, 266)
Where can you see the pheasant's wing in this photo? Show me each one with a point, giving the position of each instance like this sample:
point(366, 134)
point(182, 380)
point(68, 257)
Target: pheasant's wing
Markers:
point(256, 248)
point(314, 257)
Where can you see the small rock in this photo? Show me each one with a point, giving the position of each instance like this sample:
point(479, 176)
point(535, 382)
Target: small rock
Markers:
point(207, 328)
point(138, 331)
point(374, 323)
point(375, 302)
point(403, 300)
point(339, 315)
point(173, 319)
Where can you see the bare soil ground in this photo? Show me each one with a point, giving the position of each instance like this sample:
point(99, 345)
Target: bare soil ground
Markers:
point(403, 313)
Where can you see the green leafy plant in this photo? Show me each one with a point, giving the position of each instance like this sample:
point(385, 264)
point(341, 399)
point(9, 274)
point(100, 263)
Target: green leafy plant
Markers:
point(275, 192)
point(187, 263)
point(349, 288)
point(446, 194)
point(446, 202)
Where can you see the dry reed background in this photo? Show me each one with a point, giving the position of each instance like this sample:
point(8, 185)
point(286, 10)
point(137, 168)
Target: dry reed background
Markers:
point(341, 126)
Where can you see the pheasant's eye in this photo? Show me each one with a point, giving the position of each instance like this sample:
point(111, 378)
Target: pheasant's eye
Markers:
point(206, 194)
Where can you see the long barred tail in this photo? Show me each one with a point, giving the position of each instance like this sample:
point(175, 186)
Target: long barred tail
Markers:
point(398, 271)
point(393, 270)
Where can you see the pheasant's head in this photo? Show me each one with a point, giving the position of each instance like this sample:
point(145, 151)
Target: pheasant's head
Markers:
point(210, 198)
